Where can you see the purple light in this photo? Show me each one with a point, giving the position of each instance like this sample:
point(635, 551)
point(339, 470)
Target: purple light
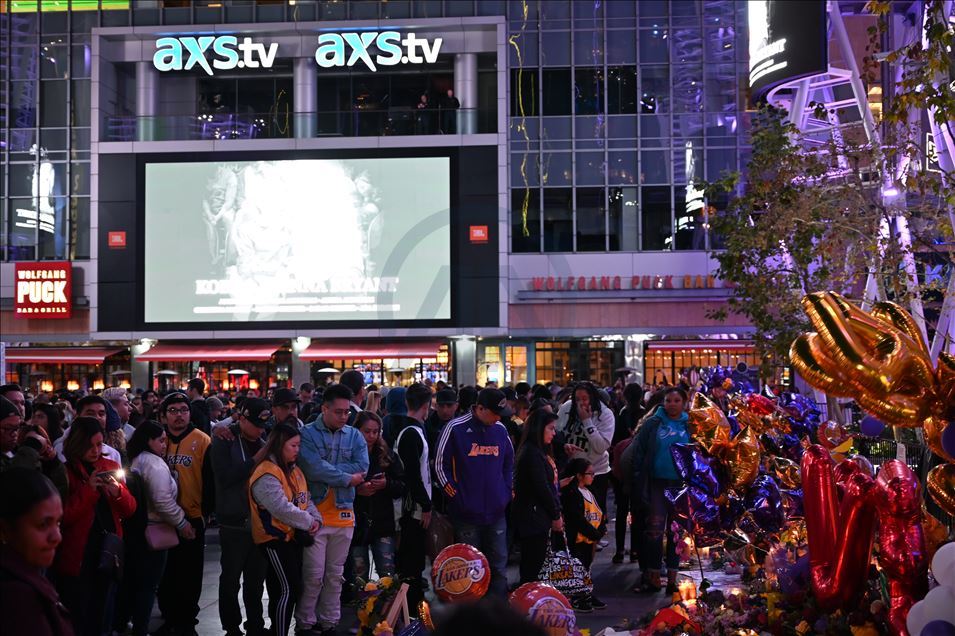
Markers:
point(890, 191)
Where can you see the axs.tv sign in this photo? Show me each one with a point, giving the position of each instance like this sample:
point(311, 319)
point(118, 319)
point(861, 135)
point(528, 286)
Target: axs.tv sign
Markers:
point(371, 48)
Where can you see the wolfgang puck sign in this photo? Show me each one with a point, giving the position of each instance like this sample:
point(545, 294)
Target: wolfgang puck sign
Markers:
point(43, 290)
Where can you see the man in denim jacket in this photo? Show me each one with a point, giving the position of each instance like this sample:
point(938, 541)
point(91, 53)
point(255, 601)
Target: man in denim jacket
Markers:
point(334, 458)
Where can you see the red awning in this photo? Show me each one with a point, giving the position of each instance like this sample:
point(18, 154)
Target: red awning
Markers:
point(66, 355)
point(208, 352)
point(371, 351)
point(700, 345)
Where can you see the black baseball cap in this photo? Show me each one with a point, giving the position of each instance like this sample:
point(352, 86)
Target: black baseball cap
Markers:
point(446, 396)
point(494, 400)
point(284, 396)
point(257, 411)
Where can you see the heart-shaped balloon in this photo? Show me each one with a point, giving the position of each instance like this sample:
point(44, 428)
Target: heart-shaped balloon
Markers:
point(740, 458)
point(707, 422)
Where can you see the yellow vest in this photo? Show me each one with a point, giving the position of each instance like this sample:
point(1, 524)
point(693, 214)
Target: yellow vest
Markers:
point(186, 459)
point(266, 528)
point(592, 514)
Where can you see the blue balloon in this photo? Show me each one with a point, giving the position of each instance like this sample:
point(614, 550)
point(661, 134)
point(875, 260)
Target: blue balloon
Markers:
point(938, 628)
point(871, 426)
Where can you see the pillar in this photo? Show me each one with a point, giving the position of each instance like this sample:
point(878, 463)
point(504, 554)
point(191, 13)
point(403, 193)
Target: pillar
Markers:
point(466, 90)
point(139, 378)
point(147, 101)
point(301, 369)
point(464, 362)
point(305, 97)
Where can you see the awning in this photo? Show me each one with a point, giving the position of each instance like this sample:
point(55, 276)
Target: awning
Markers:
point(208, 352)
point(371, 351)
point(66, 355)
point(700, 345)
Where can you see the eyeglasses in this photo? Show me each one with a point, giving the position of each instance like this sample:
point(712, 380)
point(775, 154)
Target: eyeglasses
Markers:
point(177, 411)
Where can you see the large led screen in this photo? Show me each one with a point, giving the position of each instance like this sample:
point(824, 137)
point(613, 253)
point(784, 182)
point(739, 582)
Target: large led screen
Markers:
point(298, 240)
point(787, 40)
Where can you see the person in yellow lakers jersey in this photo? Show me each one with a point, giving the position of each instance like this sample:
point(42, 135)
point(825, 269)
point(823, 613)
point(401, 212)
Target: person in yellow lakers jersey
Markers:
point(583, 521)
point(284, 521)
point(188, 458)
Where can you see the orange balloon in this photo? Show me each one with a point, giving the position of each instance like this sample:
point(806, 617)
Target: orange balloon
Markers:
point(934, 427)
point(707, 422)
point(787, 471)
point(941, 485)
point(460, 573)
point(935, 533)
point(741, 457)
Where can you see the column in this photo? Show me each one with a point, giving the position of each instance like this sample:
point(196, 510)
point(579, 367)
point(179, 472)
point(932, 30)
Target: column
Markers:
point(305, 97)
point(301, 369)
point(464, 350)
point(147, 101)
point(466, 90)
point(139, 378)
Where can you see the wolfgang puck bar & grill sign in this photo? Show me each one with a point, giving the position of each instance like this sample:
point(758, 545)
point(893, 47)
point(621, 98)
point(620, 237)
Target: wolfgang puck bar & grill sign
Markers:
point(43, 290)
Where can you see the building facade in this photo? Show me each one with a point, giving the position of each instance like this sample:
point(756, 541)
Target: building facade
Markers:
point(474, 190)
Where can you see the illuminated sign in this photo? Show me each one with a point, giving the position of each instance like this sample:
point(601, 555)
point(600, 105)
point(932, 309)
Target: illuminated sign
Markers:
point(787, 40)
point(226, 49)
point(43, 290)
point(619, 283)
point(478, 233)
point(332, 46)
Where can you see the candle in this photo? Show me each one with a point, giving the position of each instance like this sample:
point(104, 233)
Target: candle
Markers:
point(687, 590)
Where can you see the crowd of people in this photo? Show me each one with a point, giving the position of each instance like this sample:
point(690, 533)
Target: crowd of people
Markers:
point(107, 498)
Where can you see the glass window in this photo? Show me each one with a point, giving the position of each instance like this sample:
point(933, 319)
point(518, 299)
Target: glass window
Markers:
point(80, 103)
point(515, 369)
point(53, 21)
point(83, 21)
point(80, 62)
point(426, 8)
point(21, 229)
point(588, 91)
point(655, 89)
point(621, 46)
point(525, 238)
point(556, 168)
point(688, 210)
point(588, 48)
point(80, 178)
point(363, 9)
point(53, 103)
point(555, 48)
point(556, 90)
point(522, 49)
point(54, 58)
point(558, 220)
point(588, 13)
point(621, 10)
point(622, 167)
point(524, 92)
point(524, 169)
point(720, 128)
point(591, 220)
point(687, 45)
point(590, 168)
point(557, 128)
point(719, 162)
point(622, 90)
point(53, 228)
point(622, 127)
point(654, 48)
point(655, 166)
point(720, 88)
point(622, 207)
point(655, 218)
point(687, 162)
point(553, 15)
point(687, 89)
point(721, 44)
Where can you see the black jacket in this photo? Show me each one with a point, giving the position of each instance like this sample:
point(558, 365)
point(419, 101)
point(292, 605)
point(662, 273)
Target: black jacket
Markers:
point(410, 450)
point(536, 501)
point(644, 450)
point(375, 514)
point(575, 523)
point(199, 415)
point(232, 465)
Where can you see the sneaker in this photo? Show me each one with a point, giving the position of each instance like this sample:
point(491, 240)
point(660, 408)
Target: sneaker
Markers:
point(596, 603)
point(582, 605)
point(603, 543)
point(617, 557)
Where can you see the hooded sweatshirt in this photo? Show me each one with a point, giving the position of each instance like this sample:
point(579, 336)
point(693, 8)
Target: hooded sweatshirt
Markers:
point(395, 404)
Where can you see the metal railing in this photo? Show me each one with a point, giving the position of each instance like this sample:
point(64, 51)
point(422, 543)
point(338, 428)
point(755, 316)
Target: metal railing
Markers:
point(279, 125)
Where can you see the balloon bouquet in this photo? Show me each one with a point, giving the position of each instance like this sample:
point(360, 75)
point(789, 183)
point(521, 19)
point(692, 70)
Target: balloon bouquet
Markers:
point(879, 359)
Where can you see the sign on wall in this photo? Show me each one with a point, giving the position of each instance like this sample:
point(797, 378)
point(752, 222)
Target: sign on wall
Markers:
point(183, 53)
point(787, 40)
point(43, 290)
point(391, 49)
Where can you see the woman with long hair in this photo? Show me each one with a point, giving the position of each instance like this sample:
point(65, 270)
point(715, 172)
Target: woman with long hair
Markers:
point(535, 511)
point(30, 514)
point(588, 426)
point(48, 417)
point(158, 490)
point(97, 502)
point(653, 474)
point(374, 503)
point(284, 521)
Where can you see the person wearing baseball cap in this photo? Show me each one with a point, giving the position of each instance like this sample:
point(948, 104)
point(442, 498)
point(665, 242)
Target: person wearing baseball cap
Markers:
point(474, 463)
point(233, 462)
point(285, 403)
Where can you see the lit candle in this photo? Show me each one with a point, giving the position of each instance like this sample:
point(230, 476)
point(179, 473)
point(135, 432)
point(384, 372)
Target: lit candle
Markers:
point(687, 590)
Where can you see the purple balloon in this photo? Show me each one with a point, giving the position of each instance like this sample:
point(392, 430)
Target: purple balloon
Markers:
point(696, 468)
point(871, 426)
point(948, 439)
point(938, 628)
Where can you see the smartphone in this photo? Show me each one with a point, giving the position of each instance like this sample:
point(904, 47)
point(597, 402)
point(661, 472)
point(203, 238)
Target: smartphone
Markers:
point(107, 474)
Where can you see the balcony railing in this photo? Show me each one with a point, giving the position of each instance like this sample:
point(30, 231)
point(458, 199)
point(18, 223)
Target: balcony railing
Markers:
point(351, 123)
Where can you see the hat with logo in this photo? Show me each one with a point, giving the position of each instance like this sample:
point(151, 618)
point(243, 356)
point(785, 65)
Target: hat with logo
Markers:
point(494, 400)
point(257, 411)
point(446, 396)
point(285, 396)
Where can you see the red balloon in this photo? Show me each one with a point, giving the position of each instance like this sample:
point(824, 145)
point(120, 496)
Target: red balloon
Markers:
point(460, 573)
point(760, 404)
point(902, 554)
point(546, 607)
point(840, 542)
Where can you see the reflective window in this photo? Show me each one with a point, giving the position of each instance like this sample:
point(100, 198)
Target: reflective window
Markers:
point(591, 220)
point(525, 234)
point(622, 90)
point(558, 220)
point(655, 208)
point(624, 225)
point(588, 91)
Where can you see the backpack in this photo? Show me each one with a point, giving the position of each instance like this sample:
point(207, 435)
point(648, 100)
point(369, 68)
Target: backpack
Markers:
point(134, 528)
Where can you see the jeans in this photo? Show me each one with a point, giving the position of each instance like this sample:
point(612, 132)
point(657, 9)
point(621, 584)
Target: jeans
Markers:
point(322, 566)
point(240, 558)
point(143, 571)
point(490, 539)
point(284, 580)
point(658, 525)
point(622, 503)
point(181, 584)
point(383, 553)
